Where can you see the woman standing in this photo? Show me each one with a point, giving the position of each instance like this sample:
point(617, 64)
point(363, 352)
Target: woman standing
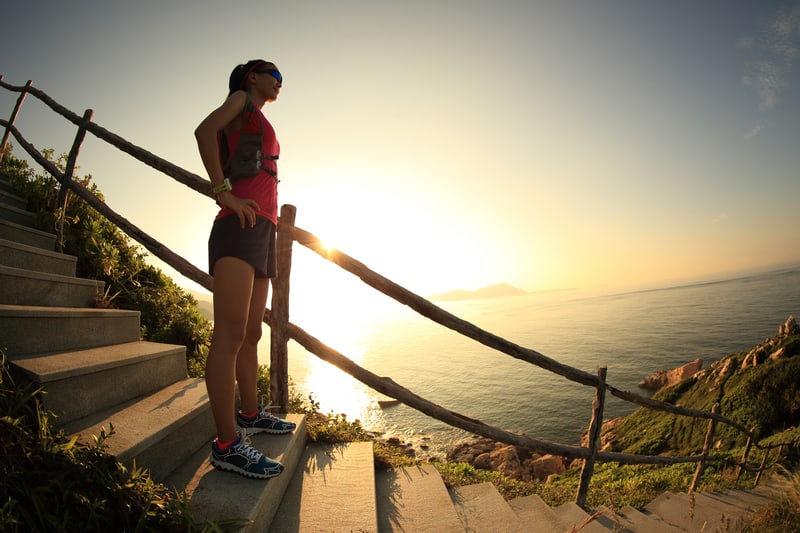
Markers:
point(239, 151)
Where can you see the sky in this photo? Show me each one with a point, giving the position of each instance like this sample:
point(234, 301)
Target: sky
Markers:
point(451, 144)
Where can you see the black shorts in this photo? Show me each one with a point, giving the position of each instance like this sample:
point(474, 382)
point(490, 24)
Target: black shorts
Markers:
point(255, 245)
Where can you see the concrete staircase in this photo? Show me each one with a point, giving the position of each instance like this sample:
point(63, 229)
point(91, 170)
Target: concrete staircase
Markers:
point(97, 372)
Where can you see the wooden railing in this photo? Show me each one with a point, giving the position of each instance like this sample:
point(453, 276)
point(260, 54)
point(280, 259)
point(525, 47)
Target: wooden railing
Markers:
point(282, 330)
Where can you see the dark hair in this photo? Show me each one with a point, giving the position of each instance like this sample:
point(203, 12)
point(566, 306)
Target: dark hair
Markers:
point(239, 74)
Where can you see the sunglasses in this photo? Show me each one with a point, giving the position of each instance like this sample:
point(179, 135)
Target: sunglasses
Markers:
point(275, 73)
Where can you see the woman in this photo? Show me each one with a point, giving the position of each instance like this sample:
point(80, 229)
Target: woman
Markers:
point(241, 260)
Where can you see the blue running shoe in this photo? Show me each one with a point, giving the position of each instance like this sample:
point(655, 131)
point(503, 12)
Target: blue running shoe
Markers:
point(264, 422)
point(242, 458)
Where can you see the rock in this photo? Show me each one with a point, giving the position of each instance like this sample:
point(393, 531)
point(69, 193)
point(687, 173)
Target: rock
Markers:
point(665, 378)
point(513, 461)
point(771, 348)
point(607, 433)
point(777, 354)
point(546, 466)
point(790, 327)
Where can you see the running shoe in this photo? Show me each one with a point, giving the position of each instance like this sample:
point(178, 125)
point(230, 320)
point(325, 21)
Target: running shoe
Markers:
point(264, 422)
point(242, 458)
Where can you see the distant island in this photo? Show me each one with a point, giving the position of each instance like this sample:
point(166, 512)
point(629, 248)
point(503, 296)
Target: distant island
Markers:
point(500, 290)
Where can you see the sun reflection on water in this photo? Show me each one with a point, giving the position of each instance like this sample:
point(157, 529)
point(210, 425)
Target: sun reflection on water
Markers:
point(334, 390)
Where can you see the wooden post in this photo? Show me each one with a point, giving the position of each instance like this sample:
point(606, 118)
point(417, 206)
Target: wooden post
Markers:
point(11, 120)
point(761, 468)
point(595, 427)
point(745, 454)
point(279, 336)
point(68, 171)
point(706, 447)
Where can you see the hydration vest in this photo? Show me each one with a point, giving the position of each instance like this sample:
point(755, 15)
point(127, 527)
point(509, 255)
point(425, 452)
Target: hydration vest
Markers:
point(247, 159)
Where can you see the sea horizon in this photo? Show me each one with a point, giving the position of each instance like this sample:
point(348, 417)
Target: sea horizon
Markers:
point(634, 333)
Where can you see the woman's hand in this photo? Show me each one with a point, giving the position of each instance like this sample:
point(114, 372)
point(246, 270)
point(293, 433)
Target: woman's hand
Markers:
point(245, 208)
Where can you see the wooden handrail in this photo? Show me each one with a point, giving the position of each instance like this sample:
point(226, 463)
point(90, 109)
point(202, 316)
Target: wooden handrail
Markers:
point(278, 319)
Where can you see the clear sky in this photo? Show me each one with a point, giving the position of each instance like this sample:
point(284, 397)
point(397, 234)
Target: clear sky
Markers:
point(452, 144)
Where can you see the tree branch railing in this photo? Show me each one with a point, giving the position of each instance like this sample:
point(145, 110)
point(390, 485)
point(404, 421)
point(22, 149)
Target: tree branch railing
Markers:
point(283, 330)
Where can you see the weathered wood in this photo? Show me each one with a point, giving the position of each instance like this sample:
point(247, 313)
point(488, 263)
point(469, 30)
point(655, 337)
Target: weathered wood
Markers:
point(189, 179)
point(279, 337)
point(745, 456)
point(762, 467)
point(69, 170)
point(706, 447)
point(595, 427)
point(14, 114)
point(437, 314)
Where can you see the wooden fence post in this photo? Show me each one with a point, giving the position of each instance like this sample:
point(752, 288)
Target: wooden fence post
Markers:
point(595, 427)
point(761, 468)
point(745, 454)
point(68, 171)
point(11, 120)
point(706, 447)
point(279, 336)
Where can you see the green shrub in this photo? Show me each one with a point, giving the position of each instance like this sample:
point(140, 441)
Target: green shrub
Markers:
point(51, 482)
point(168, 313)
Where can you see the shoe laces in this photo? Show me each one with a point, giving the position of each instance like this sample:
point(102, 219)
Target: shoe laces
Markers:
point(267, 414)
point(245, 448)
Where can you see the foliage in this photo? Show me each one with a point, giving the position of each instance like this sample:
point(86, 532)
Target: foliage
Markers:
point(168, 313)
point(458, 474)
point(51, 482)
point(765, 398)
point(327, 428)
point(783, 513)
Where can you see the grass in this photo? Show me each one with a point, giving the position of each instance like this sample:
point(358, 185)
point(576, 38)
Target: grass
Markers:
point(783, 514)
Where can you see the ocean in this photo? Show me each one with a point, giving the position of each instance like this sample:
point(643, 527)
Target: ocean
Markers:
point(633, 333)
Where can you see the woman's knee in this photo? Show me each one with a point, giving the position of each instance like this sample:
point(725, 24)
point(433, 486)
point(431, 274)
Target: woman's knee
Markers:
point(253, 333)
point(229, 335)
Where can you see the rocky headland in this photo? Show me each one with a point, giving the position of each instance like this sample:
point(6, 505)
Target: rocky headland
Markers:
point(526, 465)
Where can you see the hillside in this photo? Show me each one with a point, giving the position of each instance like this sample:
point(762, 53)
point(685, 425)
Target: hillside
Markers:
point(500, 290)
point(758, 388)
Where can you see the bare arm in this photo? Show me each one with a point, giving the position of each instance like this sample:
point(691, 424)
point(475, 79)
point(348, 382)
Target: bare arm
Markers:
point(206, 136)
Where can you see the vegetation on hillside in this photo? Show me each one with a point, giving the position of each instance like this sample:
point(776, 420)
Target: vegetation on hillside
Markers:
point(764, 397)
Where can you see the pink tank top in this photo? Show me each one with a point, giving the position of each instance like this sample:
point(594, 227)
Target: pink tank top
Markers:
point(263, 188)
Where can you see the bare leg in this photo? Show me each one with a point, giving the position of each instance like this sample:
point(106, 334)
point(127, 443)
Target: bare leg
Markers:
point(247, 359)
point(233, 287)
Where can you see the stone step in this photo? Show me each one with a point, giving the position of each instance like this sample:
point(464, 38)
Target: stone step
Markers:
point(13, 254)
point(25, 287)
point(701, 514)
point(481, 508)
point(12, 231)
point(80, 381)
point(160, 430)
point(414, 499)
point(9, 197)
point(32, 330)
point(17, 215)
point(638, 521)
point(534, 513)
point(5, 183)
point(332, 490)
point(571, 517)
point(220, 496)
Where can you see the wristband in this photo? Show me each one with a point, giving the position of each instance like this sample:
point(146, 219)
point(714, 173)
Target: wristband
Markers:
point(224, 186)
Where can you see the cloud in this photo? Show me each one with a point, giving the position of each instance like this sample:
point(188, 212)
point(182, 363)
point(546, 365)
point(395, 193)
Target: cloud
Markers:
point(779, 48)
point(753, 132)
point(720, 218)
